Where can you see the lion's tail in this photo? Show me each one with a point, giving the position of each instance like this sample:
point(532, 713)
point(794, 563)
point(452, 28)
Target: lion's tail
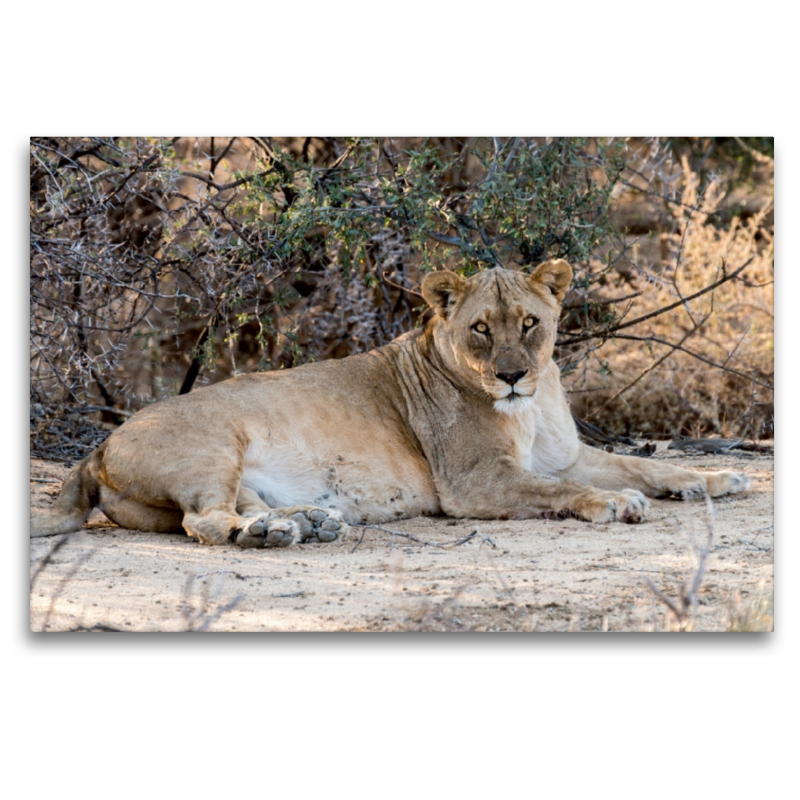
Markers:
point(79, 495)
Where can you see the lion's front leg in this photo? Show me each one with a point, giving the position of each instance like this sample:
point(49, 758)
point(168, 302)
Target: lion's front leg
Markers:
point(506, 491)
point(653, 478)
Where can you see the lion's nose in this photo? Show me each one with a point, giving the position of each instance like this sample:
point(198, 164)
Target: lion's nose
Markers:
point(511, 377)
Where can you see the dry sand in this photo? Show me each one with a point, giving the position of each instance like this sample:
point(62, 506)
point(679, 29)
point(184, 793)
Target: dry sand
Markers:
point(543, 575)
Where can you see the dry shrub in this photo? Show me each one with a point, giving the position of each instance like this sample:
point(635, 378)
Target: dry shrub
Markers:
point(635, 383)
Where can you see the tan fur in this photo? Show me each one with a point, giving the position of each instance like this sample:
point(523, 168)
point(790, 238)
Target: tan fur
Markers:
point(466, 417)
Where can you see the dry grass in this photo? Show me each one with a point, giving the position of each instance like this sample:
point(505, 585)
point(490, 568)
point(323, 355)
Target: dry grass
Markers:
point(757, 615)
point(732, 326)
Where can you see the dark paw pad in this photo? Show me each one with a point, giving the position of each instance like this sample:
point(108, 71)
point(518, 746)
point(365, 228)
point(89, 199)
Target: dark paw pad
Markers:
point(319, 525)
point(267, 531)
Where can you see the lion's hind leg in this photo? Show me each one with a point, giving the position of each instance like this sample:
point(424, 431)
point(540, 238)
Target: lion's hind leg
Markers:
point(255, 524)
point(137, 516)
point(218, 526)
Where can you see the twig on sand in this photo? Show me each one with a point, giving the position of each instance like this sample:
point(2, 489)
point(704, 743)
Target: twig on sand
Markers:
point(754, 546)
point(363, 534)
point(416, 540)
point(683, 607)
point(48, 558)
point(201, 619)
point(73, 571)
point(203, 575)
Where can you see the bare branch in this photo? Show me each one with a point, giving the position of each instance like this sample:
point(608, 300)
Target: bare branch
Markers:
point(415, 539)
point(607, 333)
point(705, 360)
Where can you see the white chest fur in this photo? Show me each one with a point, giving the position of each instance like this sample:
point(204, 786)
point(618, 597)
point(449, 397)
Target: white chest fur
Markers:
point(543, 435)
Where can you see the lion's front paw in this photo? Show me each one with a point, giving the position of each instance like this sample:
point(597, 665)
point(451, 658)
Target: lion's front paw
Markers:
point(715, 484)
point(721, 483)
point(627, 505)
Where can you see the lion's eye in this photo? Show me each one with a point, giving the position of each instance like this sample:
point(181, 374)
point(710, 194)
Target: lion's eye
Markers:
point(529, 322)
point(480, 327)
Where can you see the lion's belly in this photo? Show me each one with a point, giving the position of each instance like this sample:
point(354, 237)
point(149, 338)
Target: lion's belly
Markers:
point(385, 486)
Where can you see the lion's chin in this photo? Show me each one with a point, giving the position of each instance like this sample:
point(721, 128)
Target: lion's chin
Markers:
point(514, 403)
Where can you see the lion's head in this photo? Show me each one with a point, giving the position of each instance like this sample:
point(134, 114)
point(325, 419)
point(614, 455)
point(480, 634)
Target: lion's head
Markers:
point(497, 329)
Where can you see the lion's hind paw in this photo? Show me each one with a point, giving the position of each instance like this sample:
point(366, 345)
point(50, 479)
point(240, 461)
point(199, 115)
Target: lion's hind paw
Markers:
point(283, 527)
point(318, 524)
point(266, 530)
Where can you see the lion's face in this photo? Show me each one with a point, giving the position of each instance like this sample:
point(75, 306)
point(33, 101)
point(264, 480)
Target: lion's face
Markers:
point(497, 329)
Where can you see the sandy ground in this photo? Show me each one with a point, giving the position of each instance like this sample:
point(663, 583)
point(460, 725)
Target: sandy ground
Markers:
point(542, 575)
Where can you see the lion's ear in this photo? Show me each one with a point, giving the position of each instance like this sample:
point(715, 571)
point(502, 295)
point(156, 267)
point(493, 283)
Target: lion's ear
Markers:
point(556, 275)
point(440, 290)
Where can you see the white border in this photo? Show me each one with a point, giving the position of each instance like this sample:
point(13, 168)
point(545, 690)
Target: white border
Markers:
point(388, 716)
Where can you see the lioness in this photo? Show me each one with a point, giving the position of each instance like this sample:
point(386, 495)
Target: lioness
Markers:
point(465, 417)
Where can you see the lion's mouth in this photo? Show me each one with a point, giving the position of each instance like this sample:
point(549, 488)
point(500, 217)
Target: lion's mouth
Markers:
point(509, 396)
point(515, 396)
point(514, 403)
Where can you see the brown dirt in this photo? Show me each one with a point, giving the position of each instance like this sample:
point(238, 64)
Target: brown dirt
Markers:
point(544, 575)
